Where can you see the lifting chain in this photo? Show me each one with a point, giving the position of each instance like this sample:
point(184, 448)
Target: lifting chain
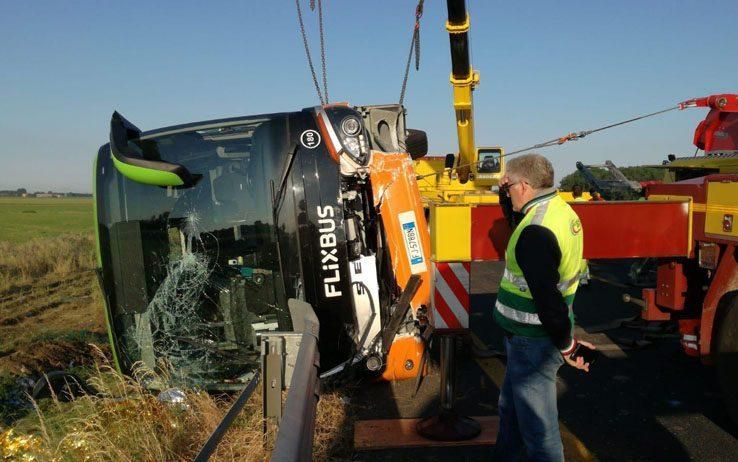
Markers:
point(323, 100)
point(322, 45)
point(414, 46)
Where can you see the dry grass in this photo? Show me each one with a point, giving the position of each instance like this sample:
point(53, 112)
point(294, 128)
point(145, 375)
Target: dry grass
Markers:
point(57, 257)
point(50, 305)
point(124, 422)
point(50, 308)
point(334, 425)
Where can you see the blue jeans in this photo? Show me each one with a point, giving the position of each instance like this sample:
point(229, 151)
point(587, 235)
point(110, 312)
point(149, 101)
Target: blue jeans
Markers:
point(529, 417)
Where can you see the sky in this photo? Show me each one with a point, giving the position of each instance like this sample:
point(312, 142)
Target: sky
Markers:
point(547, 69)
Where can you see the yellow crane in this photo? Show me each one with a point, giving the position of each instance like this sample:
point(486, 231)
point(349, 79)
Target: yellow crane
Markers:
point(468, 176)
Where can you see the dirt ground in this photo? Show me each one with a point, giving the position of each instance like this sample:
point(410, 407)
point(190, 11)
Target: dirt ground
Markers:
point(49, 324)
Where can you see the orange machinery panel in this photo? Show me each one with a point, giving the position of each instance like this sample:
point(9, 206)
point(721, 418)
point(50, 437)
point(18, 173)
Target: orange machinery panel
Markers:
point(625, 229)
point(397, 196)
point(404, 358)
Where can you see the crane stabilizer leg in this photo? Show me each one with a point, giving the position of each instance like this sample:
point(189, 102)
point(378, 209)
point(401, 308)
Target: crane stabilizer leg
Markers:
point(448, 425)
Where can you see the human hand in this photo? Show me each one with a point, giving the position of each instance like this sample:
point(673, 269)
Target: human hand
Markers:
point(504, 189)
point(579, 362)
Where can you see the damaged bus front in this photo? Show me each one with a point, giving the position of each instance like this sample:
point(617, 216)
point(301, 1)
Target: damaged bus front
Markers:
point(206, 230)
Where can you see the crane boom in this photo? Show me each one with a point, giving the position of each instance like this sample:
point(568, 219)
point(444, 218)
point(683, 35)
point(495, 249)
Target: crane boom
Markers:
point(464, 79)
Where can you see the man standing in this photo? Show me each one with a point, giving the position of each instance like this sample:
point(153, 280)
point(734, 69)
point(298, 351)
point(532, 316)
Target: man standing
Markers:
point(576, 193)
point(533, 307)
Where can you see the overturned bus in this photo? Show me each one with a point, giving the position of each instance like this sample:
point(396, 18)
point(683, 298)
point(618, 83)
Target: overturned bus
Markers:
point(206, 230)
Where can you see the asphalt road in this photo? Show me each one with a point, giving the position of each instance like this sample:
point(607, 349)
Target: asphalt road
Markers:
point(644, 400)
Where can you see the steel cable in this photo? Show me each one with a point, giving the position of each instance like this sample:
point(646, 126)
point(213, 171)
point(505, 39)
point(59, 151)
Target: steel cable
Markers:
point(561, 140)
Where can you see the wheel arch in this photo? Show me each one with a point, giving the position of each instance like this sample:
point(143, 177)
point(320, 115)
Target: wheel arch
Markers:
point(723, 287)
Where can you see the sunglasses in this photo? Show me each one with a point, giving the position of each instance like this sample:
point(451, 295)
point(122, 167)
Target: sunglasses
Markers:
point(506, 187)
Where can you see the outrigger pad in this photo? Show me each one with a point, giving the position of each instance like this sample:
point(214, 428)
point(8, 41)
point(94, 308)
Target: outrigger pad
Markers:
point(449, 426)
point(370, 435)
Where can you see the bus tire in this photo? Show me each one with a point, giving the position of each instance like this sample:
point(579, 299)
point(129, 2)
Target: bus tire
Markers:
point(416, 143)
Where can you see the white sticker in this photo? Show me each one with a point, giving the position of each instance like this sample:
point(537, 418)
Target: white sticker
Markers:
point(365, 291)
point(413, 246)
point(310, 139)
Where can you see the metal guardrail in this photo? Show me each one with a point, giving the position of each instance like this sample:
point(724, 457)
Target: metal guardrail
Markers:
point(217, 435)
point(295, 437)
point(297, 424)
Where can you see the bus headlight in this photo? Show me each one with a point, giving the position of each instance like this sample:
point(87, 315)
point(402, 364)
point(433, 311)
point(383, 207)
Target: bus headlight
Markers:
point(351, 126)
point(348, 127)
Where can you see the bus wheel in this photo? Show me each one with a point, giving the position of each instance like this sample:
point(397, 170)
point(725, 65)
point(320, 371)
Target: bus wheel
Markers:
point(726, 358)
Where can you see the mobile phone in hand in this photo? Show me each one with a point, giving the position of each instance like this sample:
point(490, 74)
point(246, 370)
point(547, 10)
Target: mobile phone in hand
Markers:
point(587, 354)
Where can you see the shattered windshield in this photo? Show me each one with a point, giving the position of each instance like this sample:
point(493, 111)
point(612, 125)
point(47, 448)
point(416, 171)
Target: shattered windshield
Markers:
point(194, 273)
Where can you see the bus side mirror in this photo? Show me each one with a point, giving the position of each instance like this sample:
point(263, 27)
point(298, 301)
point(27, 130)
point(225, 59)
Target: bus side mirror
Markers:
point(134, 166)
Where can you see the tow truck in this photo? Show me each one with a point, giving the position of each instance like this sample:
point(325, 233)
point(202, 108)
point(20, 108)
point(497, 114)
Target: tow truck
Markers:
point(688, 226)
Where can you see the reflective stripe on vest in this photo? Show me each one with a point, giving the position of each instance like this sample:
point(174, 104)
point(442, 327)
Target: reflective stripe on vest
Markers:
point(522, 284)
point(540, 213)
point(519, 316)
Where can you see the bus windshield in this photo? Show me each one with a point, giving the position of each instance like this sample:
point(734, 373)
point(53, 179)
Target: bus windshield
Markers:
point(192, 274)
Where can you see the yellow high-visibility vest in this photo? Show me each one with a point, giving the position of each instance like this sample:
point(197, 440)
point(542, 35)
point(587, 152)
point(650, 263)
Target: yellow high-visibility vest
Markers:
point(515, 310)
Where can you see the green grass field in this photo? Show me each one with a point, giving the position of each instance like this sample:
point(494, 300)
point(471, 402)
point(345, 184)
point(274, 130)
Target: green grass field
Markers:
point(22, 219)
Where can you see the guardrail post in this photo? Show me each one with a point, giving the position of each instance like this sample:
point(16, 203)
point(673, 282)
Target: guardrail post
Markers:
point(271, 385)
point(295, 437)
